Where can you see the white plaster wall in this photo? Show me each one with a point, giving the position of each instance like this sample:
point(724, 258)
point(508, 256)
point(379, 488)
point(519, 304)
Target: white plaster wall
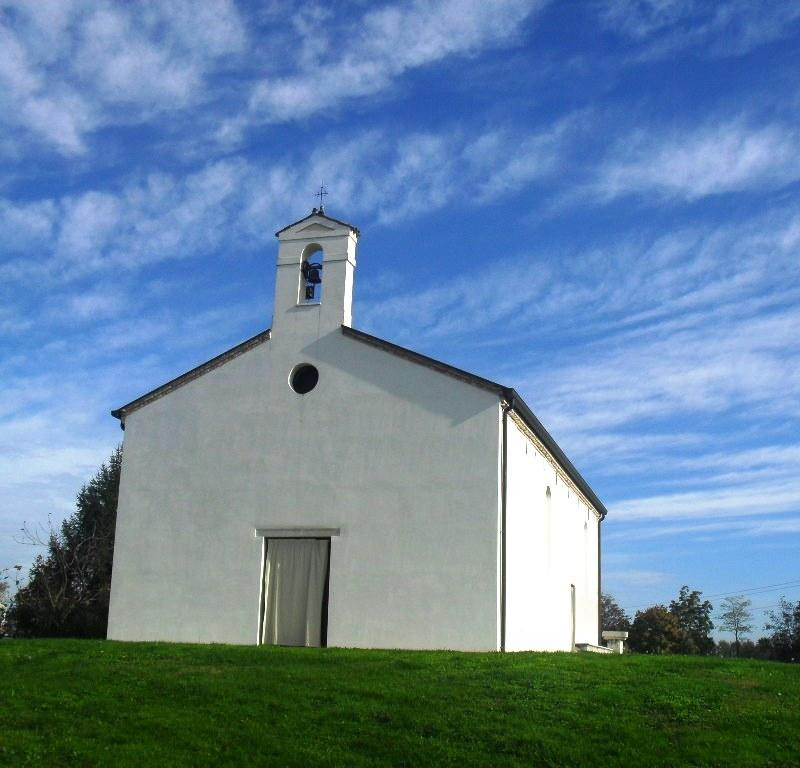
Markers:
point(551, 544)
point(403, 459)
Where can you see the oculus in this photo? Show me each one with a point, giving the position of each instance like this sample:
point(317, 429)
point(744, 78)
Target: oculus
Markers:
point(303, 378)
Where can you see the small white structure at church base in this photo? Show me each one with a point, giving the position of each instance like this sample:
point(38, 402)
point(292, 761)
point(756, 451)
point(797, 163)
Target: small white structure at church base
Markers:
point(316, 485)
point(592, 648)
point(615, 639)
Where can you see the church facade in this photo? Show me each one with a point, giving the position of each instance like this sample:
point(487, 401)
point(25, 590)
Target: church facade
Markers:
point(316, 485)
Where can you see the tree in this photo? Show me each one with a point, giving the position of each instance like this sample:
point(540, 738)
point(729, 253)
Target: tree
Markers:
point(656, 630)
point(736, 618)
point(68, 588)
point(785, 627)
point(612, 615)
point(4, 595)
point(723, 648)
point(694, 617)
point(764, 649)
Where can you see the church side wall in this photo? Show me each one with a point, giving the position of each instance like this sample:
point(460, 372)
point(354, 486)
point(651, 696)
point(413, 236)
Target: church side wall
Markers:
point(551, 544)
point(401, 458)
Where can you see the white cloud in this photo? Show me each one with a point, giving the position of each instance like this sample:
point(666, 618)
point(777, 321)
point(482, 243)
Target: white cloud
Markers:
point(49, 447)
point(95, 304)
point(727, 526)
point(365, 55)
point(69, 68)
point(396, 178)
point(738, 501)
point(708, 369)
point(636, 577)
point(26, 225)
point(239, 203)
point(148, 220)
point(741, 463)
point(728, 156)
point(87, 223)
point(502, 161)
point(629, 294)
point(54, 111)
point(720, 28)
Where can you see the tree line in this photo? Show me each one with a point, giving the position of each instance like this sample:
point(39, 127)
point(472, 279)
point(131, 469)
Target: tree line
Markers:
point(685, 625)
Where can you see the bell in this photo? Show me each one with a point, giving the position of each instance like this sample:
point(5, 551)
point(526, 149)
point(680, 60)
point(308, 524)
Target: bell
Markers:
point(312, 272)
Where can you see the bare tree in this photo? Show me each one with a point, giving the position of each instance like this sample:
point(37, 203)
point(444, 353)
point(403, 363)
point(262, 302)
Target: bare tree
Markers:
point(736, 617)
point(68, 587)
point(7, 596)
point(4, 592)
point(63, 582)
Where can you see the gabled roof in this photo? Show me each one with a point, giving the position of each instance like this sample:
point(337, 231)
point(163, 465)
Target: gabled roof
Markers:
point(195, 373)
point(318, 213)
point(508, 394)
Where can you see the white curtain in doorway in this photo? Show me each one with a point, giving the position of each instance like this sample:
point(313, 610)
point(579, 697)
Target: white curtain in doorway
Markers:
point(294, 585)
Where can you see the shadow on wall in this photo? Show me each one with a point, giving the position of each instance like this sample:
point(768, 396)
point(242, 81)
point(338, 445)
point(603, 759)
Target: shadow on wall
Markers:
point(405, 380)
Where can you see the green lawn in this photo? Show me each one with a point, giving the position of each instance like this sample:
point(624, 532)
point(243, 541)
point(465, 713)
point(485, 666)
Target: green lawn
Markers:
point(71, 702)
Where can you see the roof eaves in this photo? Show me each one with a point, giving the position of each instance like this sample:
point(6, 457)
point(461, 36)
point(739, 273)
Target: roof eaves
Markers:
point(430, 362)
point(529, 417)
point(323, 215)
point(510, 395)
point(194, 373)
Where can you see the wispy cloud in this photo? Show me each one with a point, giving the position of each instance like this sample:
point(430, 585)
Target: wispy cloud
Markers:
point(640, 289)
point(239, 203)
point(26, 226)
point(336, 64)
point(709, 370)
point(636, 577)
point(725, 526)
point(70, 68)
point(727, 156)
point(724, 28)
point(738, 501)
point(157, 216)
point(147, 220)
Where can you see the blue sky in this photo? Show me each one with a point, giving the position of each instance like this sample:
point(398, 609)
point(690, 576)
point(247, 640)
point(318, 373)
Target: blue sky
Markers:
point(595, 202)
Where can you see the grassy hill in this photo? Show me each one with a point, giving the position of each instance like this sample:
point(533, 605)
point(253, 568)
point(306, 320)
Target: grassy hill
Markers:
point(65, 702)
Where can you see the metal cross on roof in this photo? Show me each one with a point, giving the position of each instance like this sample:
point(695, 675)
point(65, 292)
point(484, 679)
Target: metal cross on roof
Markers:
point(321, 194)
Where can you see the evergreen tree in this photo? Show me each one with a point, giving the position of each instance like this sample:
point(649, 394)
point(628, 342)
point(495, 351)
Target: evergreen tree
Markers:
point(68, 589)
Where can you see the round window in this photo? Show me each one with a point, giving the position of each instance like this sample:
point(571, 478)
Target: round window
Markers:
point(304, 378)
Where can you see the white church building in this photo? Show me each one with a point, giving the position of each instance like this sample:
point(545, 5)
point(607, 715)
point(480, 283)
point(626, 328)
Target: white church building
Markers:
point(316, 485)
